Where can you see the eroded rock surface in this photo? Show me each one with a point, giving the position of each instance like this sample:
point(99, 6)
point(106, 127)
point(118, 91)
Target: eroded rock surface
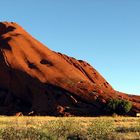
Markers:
point(35, 79)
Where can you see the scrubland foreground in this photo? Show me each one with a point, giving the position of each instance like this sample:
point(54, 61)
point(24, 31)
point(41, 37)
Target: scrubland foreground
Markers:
point(69, 128)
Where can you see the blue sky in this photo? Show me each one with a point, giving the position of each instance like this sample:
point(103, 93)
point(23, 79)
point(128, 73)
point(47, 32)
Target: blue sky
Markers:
point(106, 33)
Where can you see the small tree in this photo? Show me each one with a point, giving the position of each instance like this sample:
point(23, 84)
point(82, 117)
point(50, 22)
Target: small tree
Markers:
point(118, 106)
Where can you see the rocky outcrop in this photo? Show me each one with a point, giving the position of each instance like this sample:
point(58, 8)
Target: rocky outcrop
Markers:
point(35, 79)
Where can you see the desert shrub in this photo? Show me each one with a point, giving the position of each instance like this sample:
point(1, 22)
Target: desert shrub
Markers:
point(72, 130)
point(118, 106)
point(15, 133)
point(128, 129)
point(65, 129)
point(100, 129)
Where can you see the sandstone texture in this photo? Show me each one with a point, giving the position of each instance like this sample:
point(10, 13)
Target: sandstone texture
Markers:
point(35, 80)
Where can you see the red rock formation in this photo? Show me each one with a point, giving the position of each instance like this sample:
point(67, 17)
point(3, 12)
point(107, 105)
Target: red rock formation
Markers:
point(34, 78)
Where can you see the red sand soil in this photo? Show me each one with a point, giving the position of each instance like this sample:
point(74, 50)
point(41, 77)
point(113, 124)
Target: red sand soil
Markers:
point(36, 80)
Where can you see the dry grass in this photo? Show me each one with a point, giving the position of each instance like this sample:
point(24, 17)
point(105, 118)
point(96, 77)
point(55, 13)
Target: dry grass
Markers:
point(72, 128)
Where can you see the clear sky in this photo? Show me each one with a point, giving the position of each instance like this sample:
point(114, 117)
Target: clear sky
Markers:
point(106, 33)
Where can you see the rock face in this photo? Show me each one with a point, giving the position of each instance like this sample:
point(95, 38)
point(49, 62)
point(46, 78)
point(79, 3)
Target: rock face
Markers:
point(35, 79)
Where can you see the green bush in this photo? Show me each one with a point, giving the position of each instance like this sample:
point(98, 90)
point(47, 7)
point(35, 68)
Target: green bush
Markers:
point(118, 106)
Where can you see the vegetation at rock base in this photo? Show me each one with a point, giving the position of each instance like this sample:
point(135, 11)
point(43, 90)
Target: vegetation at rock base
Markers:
point(118, 106)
